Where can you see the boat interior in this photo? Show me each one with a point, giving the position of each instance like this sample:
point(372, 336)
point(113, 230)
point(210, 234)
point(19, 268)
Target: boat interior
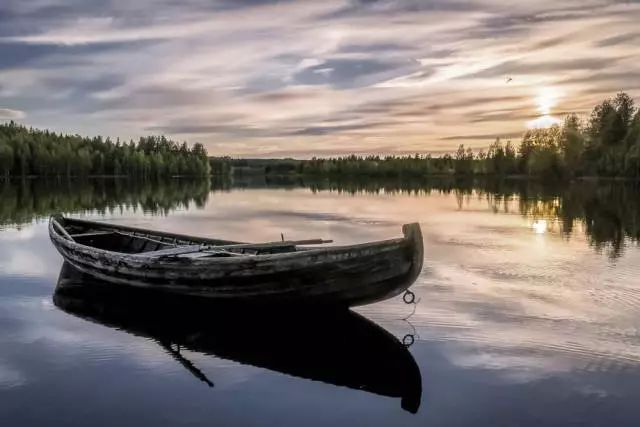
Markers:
point(149, 244)
point(121, 242)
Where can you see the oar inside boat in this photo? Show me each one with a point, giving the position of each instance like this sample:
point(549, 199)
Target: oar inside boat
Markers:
point(232, 250)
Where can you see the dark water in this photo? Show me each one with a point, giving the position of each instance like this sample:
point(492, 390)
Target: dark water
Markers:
point(528, 311)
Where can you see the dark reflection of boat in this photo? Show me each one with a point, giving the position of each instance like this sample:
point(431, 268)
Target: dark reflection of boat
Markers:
point(337, 347)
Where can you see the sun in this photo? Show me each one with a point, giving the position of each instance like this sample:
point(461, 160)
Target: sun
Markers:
point(546, 99)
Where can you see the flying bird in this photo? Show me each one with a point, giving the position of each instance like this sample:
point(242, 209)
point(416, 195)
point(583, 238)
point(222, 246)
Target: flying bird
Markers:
point(509, 79)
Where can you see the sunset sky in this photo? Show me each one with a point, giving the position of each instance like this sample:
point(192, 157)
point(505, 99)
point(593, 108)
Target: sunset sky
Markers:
point(264, 78)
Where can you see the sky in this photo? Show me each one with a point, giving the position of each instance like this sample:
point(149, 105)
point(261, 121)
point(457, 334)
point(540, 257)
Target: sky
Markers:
point(266, 78)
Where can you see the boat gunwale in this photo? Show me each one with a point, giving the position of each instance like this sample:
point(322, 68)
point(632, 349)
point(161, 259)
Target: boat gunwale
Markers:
point(108, 226)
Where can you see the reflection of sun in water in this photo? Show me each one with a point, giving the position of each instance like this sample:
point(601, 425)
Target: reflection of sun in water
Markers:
point(547, 99)
point(539, 226)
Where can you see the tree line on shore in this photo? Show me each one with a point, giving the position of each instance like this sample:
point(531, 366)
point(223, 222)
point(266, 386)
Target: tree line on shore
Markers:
point(605, 144)
point(28, 152)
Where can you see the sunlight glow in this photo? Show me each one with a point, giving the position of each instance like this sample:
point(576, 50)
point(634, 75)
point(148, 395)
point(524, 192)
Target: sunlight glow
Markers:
point(543, 122)
point(546, 99)
point(539, 226)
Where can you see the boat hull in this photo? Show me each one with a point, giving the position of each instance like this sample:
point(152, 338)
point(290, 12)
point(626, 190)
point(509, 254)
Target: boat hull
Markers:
point(346, 275)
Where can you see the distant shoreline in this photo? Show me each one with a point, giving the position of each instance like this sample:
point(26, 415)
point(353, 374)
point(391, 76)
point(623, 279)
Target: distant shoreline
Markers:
point(354, 177)
point(401, 176)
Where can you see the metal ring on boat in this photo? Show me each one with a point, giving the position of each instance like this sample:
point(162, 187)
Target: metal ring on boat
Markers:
point(408, 340)
point(409, 297)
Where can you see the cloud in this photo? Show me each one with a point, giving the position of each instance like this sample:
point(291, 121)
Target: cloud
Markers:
point(195, 129)
point(105, 30)
point(272, 77)
point(352, 72)
point(328, 130)
point(9, 114)
point(510, 68)
point(619, 39)
point(483, 136)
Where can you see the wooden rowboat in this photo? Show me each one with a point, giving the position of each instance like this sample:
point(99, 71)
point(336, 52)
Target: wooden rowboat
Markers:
point(336, 347)
point(263, 273)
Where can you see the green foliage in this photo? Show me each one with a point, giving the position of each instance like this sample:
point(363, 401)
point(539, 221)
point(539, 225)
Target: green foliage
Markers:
point(607, 145)
point(6, 158)
point(26, 200)
point(34, 152)
point(389, 166)
point(463, 161)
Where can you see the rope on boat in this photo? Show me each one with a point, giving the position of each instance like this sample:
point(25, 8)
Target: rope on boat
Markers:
point(409, 297)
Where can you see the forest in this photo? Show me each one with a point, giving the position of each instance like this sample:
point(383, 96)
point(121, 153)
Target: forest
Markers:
point(607, 144)
point(31, 152)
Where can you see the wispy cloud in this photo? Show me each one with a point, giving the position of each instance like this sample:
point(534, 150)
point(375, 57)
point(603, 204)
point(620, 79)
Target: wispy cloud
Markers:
point(267, 77)
point(9, 114)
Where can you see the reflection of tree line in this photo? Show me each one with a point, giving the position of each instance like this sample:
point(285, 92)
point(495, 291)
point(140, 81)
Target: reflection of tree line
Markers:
point(26, 200)
point(608, 211)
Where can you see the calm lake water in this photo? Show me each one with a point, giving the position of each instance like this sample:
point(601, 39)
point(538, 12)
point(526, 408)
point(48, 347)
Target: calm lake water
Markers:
point(528, 311)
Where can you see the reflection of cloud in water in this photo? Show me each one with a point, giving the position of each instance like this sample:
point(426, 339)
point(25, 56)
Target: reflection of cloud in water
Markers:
point(28, 253)
point(22, 263)
point(60, 337)
point(494, 295)
point(521, 328)
point(524, 305)
point(10, 377)
point(514, 367)
point(15, 234)
point(323, 216)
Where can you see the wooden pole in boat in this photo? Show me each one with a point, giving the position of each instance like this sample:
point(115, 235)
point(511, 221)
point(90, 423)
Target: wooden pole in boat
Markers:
point(61, 229)
point(182, 250)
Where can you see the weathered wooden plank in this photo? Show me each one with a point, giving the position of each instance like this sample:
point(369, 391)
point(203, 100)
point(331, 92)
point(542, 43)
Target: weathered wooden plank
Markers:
point(179, 250)
point(92, 234)
point(172, 268)
point(204, 254)
point(183, 237)
point(61, 229)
